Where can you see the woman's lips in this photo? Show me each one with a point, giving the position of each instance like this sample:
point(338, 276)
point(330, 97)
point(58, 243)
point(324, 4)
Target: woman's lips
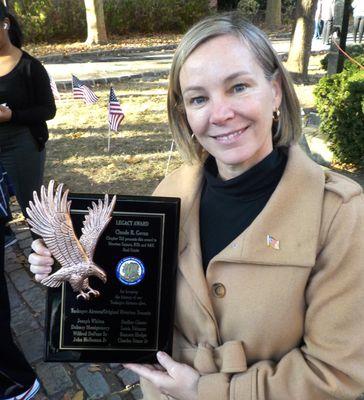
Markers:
point(230, 137)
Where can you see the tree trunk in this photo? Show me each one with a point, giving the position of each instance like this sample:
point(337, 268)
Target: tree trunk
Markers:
point(300, 49)
point(273, 17)
point(96, 31)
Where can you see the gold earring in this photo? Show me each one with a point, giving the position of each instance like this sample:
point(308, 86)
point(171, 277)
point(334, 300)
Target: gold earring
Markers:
point(276, 115)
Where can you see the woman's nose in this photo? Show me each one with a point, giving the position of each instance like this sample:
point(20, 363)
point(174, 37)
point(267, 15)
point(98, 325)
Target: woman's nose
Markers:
point(221, 111)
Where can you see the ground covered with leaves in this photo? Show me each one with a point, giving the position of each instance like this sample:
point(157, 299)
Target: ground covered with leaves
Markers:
point(115, 43)
point(77, 152)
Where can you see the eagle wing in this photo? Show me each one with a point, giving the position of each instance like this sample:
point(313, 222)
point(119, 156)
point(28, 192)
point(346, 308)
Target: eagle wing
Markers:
point(95, 223)
point(50, 218)
point(63, 274)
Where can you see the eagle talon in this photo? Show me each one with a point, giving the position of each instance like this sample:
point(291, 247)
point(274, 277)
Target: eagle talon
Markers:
point(84, 295)
point(96, 293)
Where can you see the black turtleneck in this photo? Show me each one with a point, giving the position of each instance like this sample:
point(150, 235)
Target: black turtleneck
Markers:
point(228, 207)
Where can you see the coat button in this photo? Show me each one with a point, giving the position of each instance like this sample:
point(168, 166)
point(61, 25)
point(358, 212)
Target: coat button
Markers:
point(218, 290)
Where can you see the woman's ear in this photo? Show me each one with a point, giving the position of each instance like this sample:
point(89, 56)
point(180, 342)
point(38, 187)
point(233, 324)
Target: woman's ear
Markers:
point(6, 25)
point(277, 89)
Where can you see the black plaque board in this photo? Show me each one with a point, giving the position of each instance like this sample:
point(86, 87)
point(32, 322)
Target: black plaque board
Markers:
point(133, 316)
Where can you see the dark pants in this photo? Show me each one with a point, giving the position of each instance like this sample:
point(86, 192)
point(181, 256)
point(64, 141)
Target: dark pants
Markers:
point(23, 162)
point(358, 26)
point(15, 372)
point(326, 31)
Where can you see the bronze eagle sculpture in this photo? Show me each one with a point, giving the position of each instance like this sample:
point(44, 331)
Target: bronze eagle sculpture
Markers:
point(49, 217)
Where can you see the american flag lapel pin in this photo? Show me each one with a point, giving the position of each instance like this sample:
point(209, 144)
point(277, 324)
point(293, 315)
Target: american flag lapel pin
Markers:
point(273, 243)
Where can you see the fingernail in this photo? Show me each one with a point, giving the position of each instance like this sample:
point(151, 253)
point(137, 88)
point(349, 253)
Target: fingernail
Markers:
point(161, 354)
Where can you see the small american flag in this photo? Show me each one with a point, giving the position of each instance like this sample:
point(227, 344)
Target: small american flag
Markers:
point(54, 88)
point(273, 243)
point(116, 114)
point(81, 91)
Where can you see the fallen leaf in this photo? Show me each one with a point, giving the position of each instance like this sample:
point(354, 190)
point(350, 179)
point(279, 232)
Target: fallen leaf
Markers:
point(78, 395)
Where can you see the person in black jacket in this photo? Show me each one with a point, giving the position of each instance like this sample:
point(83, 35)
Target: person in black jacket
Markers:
point(26, 102)
point(17, 378)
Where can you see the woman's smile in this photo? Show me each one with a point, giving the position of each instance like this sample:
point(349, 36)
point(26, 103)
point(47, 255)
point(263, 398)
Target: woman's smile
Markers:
point(230, 137)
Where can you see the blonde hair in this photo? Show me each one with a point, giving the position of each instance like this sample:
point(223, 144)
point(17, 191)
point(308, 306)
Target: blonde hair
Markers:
point(286, 132)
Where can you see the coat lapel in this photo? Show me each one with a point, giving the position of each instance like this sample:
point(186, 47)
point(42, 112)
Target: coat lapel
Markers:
point(186, 183)
point(190, 259)
point(291, 217)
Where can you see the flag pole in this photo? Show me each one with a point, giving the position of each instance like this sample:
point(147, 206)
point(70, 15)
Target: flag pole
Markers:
point(169, 158)
point(108, 122)
point(108, 141)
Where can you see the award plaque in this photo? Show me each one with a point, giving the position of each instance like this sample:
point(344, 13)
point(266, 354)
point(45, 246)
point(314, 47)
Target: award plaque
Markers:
point(131, 316)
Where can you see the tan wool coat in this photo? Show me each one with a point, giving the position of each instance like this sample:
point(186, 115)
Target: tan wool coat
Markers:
point(267, 323)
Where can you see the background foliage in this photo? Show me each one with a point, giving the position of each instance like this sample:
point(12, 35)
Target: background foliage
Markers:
point(340, 104)
point(356, 51)
point(51, 20)
point(146, 16)
point(55, 20)
point(47, 20)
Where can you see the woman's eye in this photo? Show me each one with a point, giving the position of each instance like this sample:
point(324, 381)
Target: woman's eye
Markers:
point(198, 100)
point(239, 88)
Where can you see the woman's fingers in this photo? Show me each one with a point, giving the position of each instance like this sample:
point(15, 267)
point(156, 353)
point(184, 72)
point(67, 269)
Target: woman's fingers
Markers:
point(149, 372)
point(41, 261)
point(40, 277)
point(40, 248)
point(40, 269)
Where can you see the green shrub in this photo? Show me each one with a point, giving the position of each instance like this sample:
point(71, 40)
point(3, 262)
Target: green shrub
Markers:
point(340, 104)
point(49, 20)
point(146, 16)
point(248, 8)
point(353, 51)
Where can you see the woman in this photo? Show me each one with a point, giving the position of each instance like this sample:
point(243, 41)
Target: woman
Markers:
point(270, 298)
point(26, 102)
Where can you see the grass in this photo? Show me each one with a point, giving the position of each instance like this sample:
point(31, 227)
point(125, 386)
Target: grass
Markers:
point(77, 150)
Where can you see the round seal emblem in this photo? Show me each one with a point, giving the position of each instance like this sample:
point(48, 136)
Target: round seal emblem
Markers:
point(130, 271)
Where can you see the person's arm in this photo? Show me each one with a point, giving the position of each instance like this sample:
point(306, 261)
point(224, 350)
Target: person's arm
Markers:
point(329, 364)
point(44, 107)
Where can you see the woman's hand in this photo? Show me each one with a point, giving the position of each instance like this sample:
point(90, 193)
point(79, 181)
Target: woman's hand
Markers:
point(176, 380)
point(5, 114)
point(41, 261)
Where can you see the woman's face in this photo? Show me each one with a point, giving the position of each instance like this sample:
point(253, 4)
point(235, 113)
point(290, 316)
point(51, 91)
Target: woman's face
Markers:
point(229, 103)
